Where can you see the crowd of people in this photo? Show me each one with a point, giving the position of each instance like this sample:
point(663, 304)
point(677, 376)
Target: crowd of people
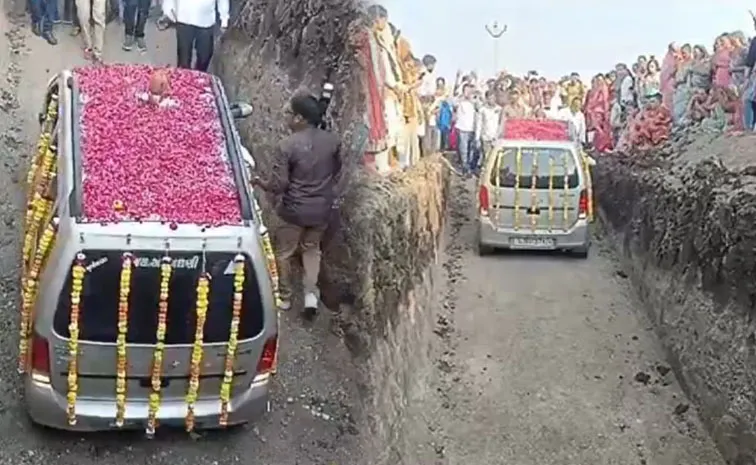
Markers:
point(196, 22)
point(634, 107)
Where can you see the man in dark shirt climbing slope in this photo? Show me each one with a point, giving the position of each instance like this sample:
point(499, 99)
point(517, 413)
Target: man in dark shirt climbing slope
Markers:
point(307, 175)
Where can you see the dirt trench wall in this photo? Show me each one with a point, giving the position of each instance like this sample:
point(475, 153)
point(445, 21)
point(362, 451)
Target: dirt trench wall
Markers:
point(685, 219)
point(379, 264)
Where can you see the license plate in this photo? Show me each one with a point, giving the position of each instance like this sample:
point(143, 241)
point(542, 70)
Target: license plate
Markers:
point(532, 243)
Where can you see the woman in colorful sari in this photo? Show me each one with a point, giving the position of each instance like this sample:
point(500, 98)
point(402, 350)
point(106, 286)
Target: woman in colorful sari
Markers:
point(597, 107)
point(373, 77)
point(651, 83)
point(651, 126)
point(737, 61)
point(683, 91)
point(667, 75)
point(701, 71)
point(639, 75)
point(723, 50)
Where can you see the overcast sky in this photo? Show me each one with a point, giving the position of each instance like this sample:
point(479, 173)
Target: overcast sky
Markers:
point(557, 37)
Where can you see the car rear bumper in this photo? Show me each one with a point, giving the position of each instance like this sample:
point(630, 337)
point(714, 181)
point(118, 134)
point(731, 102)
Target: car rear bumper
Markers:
point(578, 237)
point(47, 407)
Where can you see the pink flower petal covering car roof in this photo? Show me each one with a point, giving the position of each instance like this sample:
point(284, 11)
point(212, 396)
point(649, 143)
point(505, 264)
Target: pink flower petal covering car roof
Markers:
point(153, 159)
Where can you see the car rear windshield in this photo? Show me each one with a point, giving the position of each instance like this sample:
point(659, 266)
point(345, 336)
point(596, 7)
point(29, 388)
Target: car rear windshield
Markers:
point(550, 166)
point(98, 321)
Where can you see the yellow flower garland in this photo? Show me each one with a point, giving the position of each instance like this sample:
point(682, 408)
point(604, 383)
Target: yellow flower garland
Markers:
point(123, 329)
point(38, 182)
point(77, 284)
point(203, 292)
point(166, 270)
point(45, 139)
point(30, 291)
point(233, 339)
point(270, 257)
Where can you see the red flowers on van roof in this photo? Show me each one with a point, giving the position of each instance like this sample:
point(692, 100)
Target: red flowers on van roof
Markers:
point(145, 159)
point(530, 129)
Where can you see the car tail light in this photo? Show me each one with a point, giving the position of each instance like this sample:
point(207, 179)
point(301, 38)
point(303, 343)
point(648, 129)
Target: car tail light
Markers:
point(269, 357)
point(583, 205)
point(483, 200)
point(40, 356)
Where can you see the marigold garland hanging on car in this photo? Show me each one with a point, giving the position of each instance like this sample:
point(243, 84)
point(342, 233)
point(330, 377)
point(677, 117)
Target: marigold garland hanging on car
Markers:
point(123, 329)
point(29, 292)
point(45, 139)
point(233, 339)
point(77, 285)
point(166, 270)
point(203, 302)
point(270, 257)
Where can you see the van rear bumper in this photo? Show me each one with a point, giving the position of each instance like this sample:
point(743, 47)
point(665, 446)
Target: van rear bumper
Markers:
point(577, 237)
point(47, 407)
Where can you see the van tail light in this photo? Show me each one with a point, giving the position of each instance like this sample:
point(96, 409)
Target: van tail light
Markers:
point(583, 205)
point(483, 200)
point(40, 357)
point(269, 357)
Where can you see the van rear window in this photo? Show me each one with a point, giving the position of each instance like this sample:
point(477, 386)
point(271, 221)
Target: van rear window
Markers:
point(99, 304)
point(549, 164)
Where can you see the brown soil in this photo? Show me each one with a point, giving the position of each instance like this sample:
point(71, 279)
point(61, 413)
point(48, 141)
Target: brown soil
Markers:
point(684, 218)
point(383, 240)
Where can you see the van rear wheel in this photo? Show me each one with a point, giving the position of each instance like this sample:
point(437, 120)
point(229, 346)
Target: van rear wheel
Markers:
point(581, 252)
point(484, 250)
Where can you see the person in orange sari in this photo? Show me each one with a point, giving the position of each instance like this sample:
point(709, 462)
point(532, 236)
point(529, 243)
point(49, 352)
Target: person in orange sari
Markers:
point(667, 77)
point(652, 126)
point(723, 49)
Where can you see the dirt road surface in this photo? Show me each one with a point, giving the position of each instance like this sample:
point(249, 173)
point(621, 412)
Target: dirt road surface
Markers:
point(541, 360)
point(549, 360)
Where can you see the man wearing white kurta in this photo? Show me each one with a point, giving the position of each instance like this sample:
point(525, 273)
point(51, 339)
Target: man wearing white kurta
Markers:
point(195, 29)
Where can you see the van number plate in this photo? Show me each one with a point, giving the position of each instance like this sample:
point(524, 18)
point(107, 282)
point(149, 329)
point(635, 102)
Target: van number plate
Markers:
point(532, 243)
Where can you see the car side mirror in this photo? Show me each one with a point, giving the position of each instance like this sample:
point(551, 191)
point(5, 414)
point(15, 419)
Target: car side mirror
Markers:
point(241, 110)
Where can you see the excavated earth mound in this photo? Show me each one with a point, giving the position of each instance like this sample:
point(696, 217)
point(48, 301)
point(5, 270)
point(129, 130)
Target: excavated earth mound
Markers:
point(380, 259)
point(685, 218)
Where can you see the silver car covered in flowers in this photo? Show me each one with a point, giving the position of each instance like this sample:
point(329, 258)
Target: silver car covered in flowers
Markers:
point(141, 308)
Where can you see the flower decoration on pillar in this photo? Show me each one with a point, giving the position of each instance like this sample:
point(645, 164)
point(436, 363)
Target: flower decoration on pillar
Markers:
point(123, 330)
point(166, 270)
point(233, 339)
point(203, 302)
point(77, 285)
